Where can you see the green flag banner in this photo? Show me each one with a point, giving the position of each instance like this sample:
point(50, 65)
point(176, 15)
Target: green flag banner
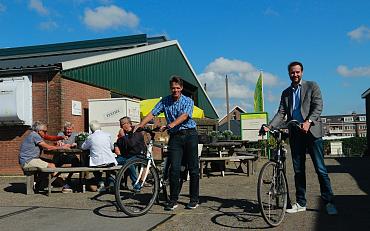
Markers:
point(258, 95)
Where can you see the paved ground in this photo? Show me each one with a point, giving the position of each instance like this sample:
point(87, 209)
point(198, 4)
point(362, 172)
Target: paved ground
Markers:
point(227, 203)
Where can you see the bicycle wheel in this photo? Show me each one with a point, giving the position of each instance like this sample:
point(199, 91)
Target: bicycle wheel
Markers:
point(136, 187)
point(272, 193)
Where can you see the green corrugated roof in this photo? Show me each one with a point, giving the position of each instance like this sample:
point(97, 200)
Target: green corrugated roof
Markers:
point(144, 75)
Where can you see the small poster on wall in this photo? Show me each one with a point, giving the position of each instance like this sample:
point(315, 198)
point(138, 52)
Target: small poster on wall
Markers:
point(251, 124)
point(76, 108)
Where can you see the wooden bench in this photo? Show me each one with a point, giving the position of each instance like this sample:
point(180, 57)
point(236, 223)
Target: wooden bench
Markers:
point(241, 157)
point(31, 172)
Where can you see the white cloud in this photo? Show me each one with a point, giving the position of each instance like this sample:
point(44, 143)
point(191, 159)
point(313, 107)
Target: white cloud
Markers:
point(242, 78)
point(2, 8)
point(359, 34)
point(48, 25)
point(270, 12)
point(105, 17)
point(354, 72)
point(38, 6)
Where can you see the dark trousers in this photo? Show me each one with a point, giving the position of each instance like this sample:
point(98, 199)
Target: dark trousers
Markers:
point(301, 144)
point(184, 144)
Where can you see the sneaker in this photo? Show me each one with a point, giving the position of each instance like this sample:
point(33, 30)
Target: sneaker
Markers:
point(331, 209)
point(170, 206)
point(66, 189)
point(137, 187)
point(192, 205)
point(296, 208)
point(101, 187)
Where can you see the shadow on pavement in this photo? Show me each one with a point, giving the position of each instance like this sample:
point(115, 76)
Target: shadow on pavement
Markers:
point(234, 213)
point(16, 188)
point(353, 210)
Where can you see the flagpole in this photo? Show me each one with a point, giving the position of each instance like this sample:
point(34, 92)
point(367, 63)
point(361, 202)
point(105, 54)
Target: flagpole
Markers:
point(227, 103)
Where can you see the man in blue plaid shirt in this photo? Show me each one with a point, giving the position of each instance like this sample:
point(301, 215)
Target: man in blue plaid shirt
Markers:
point(183, 142)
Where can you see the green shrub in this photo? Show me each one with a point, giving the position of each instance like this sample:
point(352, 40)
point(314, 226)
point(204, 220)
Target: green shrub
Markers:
point(355, 146)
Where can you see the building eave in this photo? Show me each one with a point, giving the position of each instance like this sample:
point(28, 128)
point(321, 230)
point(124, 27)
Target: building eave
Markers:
point(364, 95)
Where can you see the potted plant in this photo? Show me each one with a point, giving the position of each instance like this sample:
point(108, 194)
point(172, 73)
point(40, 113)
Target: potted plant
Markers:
point(227, 134)
point(214, 136)
point(80, 138)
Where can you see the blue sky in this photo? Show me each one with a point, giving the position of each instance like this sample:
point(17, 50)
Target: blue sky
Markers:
point(235, 37)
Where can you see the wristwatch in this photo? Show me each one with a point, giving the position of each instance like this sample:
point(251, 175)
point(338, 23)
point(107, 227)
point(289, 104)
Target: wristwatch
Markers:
point(168, 126)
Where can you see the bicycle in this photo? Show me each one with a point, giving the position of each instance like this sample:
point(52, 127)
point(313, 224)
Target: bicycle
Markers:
point(135, 197)
point(272, 187)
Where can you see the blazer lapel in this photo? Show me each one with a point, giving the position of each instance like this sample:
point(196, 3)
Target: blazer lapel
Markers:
point(290, 101)
point(303, 91)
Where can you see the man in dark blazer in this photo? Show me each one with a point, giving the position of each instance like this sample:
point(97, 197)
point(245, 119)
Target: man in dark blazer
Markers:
point(302, 101)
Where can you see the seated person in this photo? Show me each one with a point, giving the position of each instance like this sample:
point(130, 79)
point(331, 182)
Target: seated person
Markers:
point(101, 155)
point(68, 134)
point(32, 146)
point(128, 145)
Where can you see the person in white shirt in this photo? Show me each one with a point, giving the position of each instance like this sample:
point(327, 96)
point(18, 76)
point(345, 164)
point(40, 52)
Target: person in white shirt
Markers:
point(101, 155)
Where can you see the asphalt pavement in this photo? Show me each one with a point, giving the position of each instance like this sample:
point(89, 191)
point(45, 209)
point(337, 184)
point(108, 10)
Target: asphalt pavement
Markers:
point(227, 203)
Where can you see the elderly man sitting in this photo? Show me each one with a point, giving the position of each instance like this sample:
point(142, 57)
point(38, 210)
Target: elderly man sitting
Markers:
point(101, 154)
point(32, 146)
point(69, 135)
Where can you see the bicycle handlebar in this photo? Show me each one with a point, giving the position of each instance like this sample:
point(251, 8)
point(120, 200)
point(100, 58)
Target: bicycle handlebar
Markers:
point(150, 131)
point(288, 125)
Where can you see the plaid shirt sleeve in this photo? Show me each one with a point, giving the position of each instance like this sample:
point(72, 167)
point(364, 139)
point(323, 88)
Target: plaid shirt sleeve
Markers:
point(188, 107)
point(158, 108)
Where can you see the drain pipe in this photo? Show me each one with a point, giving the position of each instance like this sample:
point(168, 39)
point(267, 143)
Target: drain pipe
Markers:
point(47, 99)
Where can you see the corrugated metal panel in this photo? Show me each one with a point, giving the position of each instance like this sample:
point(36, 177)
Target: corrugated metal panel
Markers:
point(143, 75)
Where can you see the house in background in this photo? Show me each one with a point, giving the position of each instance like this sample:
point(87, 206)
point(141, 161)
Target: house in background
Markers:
point(352, 125)
point(234, 116)
point(45, 82)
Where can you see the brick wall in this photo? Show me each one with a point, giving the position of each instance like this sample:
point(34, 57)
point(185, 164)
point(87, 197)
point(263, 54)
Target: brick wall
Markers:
point(71, 90)
point(52, 98)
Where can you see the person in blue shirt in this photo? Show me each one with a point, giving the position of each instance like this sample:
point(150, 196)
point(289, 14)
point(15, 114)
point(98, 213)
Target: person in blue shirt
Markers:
point(302, 101)
point(183, 142)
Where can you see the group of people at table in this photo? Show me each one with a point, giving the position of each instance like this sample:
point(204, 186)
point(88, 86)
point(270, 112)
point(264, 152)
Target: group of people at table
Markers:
point(98, 143)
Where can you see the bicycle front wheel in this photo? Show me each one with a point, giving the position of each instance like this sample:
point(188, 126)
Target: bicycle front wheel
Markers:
point(136, 187)
point(272, 193)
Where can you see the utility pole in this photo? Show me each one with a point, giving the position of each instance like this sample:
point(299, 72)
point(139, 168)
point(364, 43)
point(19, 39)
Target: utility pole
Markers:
point(227, 103)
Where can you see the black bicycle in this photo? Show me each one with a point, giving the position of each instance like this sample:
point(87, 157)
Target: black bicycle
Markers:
point(272, 187)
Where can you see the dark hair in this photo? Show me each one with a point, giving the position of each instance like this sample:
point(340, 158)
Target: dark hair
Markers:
point(176, 79)
point(125, 118)
point(295, 63)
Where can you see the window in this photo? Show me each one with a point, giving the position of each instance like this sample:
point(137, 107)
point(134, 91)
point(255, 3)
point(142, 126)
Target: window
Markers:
point(348, 119)
point(323, 120)
point(362, 118)
point(362, 134)
point(362, 127)
point(349, 127)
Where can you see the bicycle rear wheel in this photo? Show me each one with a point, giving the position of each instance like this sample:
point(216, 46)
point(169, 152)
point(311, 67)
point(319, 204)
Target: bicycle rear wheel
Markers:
point(272, 193)
point(136, 187)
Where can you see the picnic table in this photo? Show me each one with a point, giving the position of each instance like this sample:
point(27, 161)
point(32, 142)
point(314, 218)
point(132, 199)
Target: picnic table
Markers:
point(223, 151)
point(83, 157)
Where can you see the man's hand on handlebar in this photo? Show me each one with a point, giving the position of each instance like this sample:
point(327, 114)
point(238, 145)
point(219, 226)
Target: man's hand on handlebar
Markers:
point(263, 130)
point(305, 126)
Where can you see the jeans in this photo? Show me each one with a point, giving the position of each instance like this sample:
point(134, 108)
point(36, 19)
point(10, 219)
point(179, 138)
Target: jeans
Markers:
point(184, 145)
point(121, 160)
point(300, 144)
